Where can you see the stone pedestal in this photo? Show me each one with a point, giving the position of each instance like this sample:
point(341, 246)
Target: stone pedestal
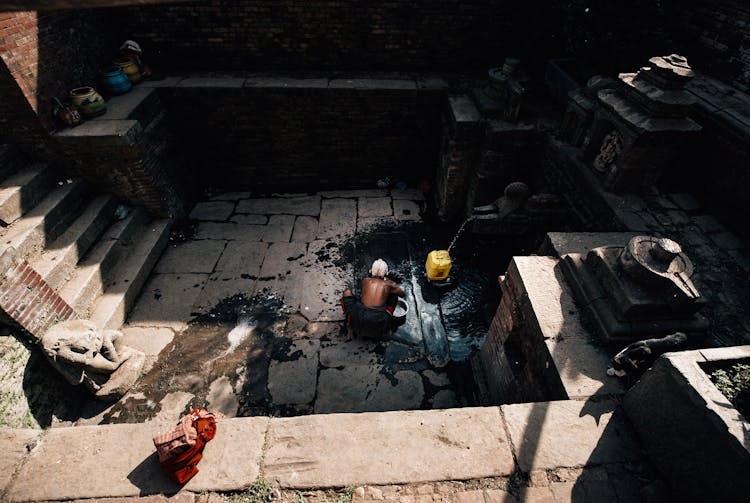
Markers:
point(637, 291)
point(639, 126)
point(502, 97)
point(580, 110)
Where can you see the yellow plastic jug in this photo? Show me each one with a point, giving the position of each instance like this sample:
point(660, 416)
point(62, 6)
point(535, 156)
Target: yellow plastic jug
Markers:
point(438, 265)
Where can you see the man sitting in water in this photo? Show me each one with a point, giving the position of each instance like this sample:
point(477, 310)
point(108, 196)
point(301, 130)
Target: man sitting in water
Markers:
point(371, 317)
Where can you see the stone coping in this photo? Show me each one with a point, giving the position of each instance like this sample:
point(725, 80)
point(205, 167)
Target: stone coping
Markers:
point(359, 83)
point(318, 451)
point(689, 428)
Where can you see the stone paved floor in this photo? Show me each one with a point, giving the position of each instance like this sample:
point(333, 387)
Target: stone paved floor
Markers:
point(244, 313)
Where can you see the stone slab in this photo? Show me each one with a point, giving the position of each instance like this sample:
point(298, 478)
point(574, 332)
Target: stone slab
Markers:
point(286, 83)
point(229, 231)
point(282, 271)
point(116, 132)
point(547, 435)
point(191, 256)
point(221, 285)
point(217, 211)
point(292, 381)
point(165, 82)
point(209, 82)
point(242, 257)
point(387, 448)
point(463, 109)
point(374, 207)
point(354, 193)
point(121, 107)
point(369, 224)
point(309, 205)
point(166, 301)
point(357, 352)
point(13, 443)
point(119, 460)
point(580, 360)
point(374, 84)
point(564, 243)
point(249, 219)
point(404, 209)
point(411, 194)
point(231, 196)
point(305, 229)
point(338, 217)
point(324, 283)
point(150, 340)
point(278, 229)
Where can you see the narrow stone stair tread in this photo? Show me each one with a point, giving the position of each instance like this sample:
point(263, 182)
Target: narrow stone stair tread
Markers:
point(96, 268)
point(60, 257)
point(111, 309)
point(42, 224)
point(22, 190)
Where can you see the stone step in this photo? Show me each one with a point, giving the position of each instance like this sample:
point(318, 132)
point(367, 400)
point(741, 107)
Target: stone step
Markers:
point(43, 224)
point(57, 261)
point(23, 190)
point(111, 309)
point(11, 159)
point(96, 268)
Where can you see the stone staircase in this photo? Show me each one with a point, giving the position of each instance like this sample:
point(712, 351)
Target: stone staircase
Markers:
point(66, 251)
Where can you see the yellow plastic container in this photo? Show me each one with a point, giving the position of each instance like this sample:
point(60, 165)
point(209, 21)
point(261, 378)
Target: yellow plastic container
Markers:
point(438, 265)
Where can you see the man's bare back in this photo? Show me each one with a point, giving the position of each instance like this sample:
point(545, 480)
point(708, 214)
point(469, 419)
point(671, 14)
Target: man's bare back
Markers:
point(375, 291)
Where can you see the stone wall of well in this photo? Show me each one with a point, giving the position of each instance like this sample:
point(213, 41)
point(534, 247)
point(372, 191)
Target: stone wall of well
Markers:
point(297, 133)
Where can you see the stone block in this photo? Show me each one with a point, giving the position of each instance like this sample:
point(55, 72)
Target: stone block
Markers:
point(374, 84)
point(404, 209)
point(565, 243)
point(191, 257)
point(242, 257)
point(685, 201)
point(374, 207)
point(324, 282)
point(286, 83)
point(166, 301)
point(212, 82)
point(305, 229)
point(548, 435)
point(675, 400)
point(229, 231)
point(708, 224)
point(411, 194)
point(463, 110)
point(249, 219)
point(150, 340)
point(308, 205)
point(292, 380)
point(387, 448)
point(278, 229)
point(124, 107)
point(727, 241)
point(338, 218)
point(217, 211)
point(105, 133)
point(222, 285)
point(165, 82)
point(15, 444)
point(353, 193)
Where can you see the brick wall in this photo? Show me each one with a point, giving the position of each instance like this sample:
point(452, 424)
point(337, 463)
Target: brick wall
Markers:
point(715, 36)
point(30, 301)
point(48, 53)
point(306, 137)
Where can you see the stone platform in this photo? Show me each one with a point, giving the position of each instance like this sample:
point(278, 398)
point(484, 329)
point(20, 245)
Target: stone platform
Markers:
point(557, 444)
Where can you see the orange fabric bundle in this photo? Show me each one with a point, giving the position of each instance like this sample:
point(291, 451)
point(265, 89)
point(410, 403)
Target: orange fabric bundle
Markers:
point(180, 449)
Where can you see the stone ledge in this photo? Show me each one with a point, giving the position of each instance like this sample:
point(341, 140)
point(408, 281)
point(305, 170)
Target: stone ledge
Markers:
point(336, 450)
point(691, 431)
point(119, 460)
point(548, 435)
point(110, 132)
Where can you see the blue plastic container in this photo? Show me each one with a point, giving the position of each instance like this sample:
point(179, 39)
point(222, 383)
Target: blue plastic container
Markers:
point(115, 81)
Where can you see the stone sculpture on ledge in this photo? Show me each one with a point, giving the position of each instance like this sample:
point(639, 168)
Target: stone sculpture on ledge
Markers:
point(95, 358)
point(502, 97)
point(638, 125)
point(643, 289)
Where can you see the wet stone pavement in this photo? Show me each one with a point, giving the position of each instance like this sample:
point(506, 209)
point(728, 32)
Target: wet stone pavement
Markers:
point(242, 312)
